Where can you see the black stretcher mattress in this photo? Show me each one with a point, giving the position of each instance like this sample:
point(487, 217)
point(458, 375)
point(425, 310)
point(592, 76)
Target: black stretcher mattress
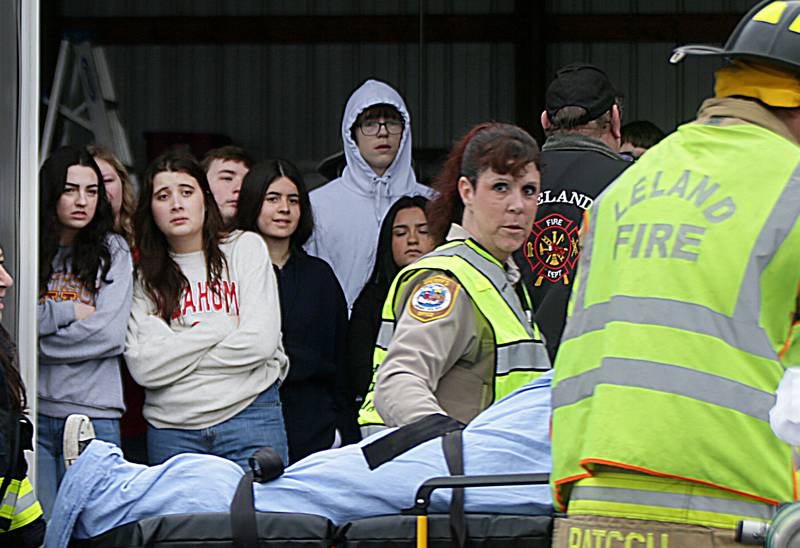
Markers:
point(212, 530)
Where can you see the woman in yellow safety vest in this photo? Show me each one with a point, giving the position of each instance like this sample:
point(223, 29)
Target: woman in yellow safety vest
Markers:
point(21, 522)
point(455, 334)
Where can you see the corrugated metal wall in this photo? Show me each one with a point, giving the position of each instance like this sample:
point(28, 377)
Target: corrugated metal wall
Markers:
point(287, 100)
point(648, 6)
point(102, 8)
point(653, 89)
point(9, 159)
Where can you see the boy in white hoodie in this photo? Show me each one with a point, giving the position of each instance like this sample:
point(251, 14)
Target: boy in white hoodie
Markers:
point(376, 133)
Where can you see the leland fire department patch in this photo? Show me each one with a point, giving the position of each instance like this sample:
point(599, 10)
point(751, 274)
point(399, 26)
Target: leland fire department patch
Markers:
point(433, 298)
point(552, 249)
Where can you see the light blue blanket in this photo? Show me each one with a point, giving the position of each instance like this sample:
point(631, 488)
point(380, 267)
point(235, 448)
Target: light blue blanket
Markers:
point(101, 490)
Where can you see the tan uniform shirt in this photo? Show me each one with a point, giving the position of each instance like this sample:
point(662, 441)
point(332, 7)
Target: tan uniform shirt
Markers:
point(439, 362)
point(730, 111)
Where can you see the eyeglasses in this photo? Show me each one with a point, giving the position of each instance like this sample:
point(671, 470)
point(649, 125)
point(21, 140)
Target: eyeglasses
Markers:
point(371, 128)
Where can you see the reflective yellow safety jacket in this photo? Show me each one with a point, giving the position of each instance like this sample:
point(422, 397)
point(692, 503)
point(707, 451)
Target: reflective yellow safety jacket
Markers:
point(19, 506)
point(669, 362)
point(520, 355)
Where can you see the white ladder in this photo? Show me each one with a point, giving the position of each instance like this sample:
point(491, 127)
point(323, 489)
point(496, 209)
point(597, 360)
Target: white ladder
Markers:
point(95, 109)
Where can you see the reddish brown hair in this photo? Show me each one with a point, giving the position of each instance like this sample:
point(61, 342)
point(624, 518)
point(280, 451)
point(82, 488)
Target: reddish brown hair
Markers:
point(503, 148)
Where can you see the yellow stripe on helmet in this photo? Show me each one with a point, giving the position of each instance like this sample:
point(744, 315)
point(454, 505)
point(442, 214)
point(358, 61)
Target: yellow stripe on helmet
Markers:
point(771, 14)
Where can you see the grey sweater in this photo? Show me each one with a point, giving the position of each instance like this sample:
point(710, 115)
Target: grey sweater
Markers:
point(79, 359)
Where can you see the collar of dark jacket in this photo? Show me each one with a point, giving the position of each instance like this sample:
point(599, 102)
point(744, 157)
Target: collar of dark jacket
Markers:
point(730, 110)
point(574, 140)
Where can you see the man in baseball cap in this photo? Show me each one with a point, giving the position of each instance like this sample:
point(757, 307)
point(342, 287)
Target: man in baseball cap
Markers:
point(579, 159)
point(579, 85)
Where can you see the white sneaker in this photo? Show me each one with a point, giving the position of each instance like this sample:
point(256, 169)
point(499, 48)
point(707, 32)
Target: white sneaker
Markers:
point(78, 432)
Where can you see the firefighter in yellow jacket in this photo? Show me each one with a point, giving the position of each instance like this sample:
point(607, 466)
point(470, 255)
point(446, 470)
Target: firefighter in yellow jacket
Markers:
point(679, 321)
point(21, 522)
point(455, 334)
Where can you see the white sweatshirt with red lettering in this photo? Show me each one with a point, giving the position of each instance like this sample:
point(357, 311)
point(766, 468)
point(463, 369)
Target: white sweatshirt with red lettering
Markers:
point(221, 351)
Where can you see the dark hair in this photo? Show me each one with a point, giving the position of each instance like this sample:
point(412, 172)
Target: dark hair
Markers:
point(14, 387)
point(641, 133)
point(89, 253)
point(503, 148)
point(571, 117)
point(228, 152)
point(385, 268)
point(161, 277)
point(254, 188)
point(375, 112)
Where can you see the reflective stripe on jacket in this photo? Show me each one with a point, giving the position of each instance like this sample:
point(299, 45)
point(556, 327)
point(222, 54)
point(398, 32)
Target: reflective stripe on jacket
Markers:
point(520, 355)
point(19, 506)
point(685, 295)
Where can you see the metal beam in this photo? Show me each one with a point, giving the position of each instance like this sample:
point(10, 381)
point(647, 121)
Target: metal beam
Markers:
point(313, 29)
point(679, 28)
point(302, 29)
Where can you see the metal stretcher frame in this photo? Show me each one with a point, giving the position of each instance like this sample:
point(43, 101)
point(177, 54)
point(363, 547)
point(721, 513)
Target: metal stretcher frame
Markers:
point(425, 491)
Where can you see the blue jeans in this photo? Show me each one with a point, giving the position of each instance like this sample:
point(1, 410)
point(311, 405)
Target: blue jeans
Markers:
point(49, 457)
point(259, 424)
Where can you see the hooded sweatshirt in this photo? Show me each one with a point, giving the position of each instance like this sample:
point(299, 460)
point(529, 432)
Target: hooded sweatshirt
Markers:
point(79, 359)
point(348, 211)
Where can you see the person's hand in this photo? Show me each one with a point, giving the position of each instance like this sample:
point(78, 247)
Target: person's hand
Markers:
point(83, 311)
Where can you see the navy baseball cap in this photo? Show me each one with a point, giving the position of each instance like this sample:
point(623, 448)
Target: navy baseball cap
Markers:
point(580, 85)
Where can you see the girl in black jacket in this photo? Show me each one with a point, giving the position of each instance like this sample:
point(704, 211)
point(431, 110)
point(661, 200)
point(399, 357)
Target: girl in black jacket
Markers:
point(273, 202)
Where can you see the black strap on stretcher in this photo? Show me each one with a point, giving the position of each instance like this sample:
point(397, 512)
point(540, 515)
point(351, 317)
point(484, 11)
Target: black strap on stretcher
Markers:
point(244, 531)
point(265, 465)
point(407, 437)
point(454, 455)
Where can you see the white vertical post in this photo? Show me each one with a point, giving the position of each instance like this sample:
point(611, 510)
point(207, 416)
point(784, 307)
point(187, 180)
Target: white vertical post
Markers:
point(28, 271)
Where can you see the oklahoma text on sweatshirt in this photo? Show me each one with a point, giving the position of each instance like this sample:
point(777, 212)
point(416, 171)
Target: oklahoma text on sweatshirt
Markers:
point(221, 351)
point(79, 359)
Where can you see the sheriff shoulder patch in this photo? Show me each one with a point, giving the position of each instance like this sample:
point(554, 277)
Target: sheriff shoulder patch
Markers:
point(433, 298)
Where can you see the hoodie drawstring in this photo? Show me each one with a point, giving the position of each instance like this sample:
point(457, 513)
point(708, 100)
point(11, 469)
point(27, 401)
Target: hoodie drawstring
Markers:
point(382, 197)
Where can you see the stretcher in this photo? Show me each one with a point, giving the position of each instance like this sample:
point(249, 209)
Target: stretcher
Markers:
point(414, 528)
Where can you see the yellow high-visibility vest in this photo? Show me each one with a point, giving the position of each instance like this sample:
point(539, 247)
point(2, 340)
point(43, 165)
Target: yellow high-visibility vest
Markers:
point(520, 355)
point(669, 361)
point(19, 505)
